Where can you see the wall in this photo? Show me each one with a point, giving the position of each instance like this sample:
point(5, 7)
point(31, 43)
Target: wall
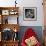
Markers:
point(26, 3)
point(38, 5)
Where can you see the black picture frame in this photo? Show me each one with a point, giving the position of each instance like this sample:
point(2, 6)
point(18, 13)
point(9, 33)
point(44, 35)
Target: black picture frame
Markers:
point(30, 13)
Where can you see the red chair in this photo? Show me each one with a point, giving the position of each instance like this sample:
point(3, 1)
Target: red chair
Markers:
point(29, 33)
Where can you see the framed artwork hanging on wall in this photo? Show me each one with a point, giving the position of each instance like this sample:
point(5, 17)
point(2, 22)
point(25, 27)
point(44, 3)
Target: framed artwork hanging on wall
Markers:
point(30, 13)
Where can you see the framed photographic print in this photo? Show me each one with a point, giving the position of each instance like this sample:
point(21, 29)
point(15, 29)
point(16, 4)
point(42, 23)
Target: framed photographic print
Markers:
point(30, 13)
point(5, 12)
point(5, 19)
point(12, 20)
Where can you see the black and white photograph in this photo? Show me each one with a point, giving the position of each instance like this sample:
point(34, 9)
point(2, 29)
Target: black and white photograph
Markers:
point(30, 13)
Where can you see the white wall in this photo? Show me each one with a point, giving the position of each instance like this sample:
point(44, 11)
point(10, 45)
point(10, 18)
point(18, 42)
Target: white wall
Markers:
point(26, 3)
point(38, 5)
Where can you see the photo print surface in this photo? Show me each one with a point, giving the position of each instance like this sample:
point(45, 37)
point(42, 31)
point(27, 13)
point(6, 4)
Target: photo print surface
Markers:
point(30, 13)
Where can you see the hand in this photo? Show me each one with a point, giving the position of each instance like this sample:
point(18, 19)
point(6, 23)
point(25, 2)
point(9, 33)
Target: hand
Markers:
point(32, 41)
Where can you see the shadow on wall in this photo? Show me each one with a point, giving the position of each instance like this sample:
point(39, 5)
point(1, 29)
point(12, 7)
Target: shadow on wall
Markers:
point(37, 29)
